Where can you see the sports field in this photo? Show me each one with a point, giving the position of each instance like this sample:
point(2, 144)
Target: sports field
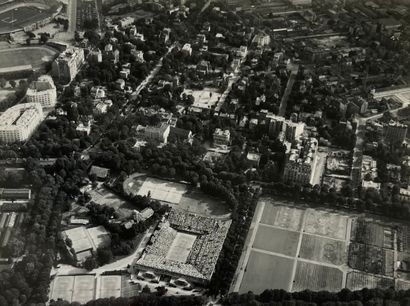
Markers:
point(101, 195)
point(110, 286)
point(162, 190)
point(359, 280)
point(294, 249)
point(280, 241)
point(326, 224)
point(87, 287)
point(37, 57)
point(175, 194)
point(265, 271)
point(18, 18)
point(181, 247)
point(73, 288)
point(282, 216)
point(85, 239)
point(317, 277)
point(323, 250)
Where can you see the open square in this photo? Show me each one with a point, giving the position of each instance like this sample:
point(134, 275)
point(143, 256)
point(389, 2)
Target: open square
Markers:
point(205, 98)
point(181, 247)
point(276, 240)
point(265, 271)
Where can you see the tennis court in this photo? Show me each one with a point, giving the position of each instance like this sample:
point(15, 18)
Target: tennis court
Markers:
point(73, 288)
point(181, 247)
point(110, 286)
point(79, 238)
point(161, 190)
point(62, 288)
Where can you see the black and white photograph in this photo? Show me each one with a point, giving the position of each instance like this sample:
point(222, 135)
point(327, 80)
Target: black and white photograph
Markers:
point(204, 153)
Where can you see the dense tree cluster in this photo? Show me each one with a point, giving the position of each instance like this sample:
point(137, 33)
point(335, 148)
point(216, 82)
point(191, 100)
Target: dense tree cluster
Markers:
point(232, 249)
point(369, 201)
point(145, 299)
point(367, 297)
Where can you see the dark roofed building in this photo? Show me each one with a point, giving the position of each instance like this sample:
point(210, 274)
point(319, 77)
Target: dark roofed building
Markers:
point(15, 194)
point(100, 172)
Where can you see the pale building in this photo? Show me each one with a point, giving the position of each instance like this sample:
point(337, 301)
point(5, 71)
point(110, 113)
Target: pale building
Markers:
point(120, 84)
point(301, 162)
point(42, 91)
point(19, 122)
point(157, 133)
point(139, 55)
point(124, 73)
point(96, 56)
point(405, 194)
point(261, 40)
point(66, 66)
point(222, 138)
point(187, 49)
point(301, 2)
point(126, 21)
point(284, 129)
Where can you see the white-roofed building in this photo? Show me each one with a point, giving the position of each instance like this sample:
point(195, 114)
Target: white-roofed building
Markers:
point(42, 91)
point(19, 122)
point(301, 162)
point(67, 64)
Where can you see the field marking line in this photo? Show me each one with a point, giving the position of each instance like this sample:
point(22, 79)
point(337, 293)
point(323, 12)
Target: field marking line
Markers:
point(311, 261)
point(240, 272)
point(302, 228)
point(272, 253)
point(298, 231)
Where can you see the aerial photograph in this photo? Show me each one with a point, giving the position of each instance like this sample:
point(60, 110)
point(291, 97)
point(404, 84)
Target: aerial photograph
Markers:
point(204, 153)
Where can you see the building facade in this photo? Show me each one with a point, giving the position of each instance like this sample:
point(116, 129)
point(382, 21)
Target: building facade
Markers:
point(42, 91)
point(157, 133)
point(19, 122)
point(301, 162)
point(67, 64)
point(283, 129)
point(395, 132)
point(222, 138)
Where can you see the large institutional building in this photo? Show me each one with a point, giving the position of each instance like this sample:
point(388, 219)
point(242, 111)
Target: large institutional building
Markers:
point(301, 162)
point(19, 122)
point(185, 247)
point(222, 138)
point(395, 132)
point(42, 91)
point(284, 129)
point(157, 133)
point(67, 64)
